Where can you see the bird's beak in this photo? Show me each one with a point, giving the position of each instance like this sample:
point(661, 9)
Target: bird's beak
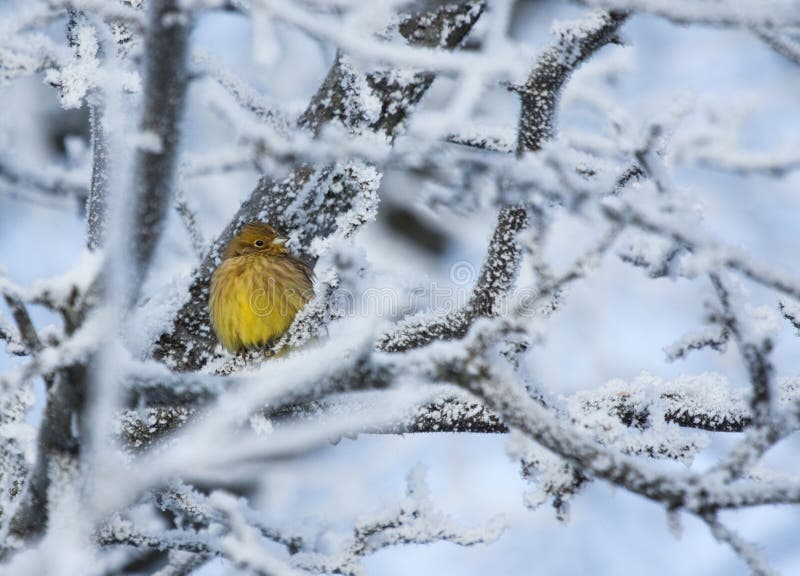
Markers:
point(279, 241)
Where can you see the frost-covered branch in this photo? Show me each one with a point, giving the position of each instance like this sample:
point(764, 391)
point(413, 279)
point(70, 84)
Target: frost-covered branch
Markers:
point(722, 151)
point(207, 516)
point(166, 79)
point(497, 274)
point(414, 522)
point(204, 65)
point(768, 14)
point(754, 353)
point(26, 332)
point(59, 437)
point(484, 140)
point(77, 25)
point(709, 339)
point(123, 533)
point(791, 311)
point(575, 42)
point(48, 184)
point(703, 403)
point(745, 550)
point(439, 28)
point(539, 100)
point(10, 334)
point(64, 369)
point(784, 45)
point(98, 189)
point(189, 219)
point(495, 385)
point(763, 274)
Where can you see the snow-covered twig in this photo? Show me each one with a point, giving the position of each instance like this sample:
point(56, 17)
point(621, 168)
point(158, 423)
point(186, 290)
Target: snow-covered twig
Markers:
point(414, 522)
point(120, 532)
point(483, 141)
point(725, 154)
point(98, 187)
point(791, 311)
point(781, 43)
point(711, 339)
point(768, 14)
point(189, 219)
point(763, 274)
point(755, 354)
point(199, 510)
point(245, 96)
point(66, 294)
point(242, 543)
point(421, 55)
point(46, 183)
point(745, 550)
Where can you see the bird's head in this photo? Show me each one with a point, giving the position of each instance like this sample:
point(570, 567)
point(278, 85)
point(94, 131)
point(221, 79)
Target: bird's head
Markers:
point(256, 237)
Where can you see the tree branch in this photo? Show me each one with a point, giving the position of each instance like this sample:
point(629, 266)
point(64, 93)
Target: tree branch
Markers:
point(166, 79)
point(754, 354)
point(27, 331)
point(496, 277)
point(496, 386)
point(725, 14)
point(98, 189)
point(781, 43)
point(574, 44)
point(746, 551)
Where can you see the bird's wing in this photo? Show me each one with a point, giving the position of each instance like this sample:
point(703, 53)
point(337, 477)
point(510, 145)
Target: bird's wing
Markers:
point(303, 267)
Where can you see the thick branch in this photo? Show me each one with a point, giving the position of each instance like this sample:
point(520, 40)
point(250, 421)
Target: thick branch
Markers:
point(58, 444)
point(166, 80)
point(539, 95)
point(98, 190)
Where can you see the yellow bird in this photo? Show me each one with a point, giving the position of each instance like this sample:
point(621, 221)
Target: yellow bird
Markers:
point(257, 289)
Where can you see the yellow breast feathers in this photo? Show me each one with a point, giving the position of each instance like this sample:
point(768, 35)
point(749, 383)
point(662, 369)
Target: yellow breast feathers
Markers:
point(256, 295)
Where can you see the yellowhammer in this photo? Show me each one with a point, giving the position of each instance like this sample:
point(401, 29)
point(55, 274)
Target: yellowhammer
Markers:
point(257, 289)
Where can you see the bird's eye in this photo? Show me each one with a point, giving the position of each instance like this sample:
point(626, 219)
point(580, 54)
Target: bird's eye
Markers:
point(259, 243)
